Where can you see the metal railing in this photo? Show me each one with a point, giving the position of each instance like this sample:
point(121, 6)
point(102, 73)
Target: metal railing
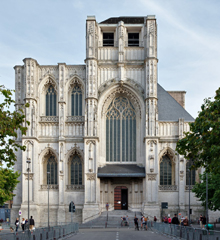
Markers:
point(52, 233)
point(183, 232)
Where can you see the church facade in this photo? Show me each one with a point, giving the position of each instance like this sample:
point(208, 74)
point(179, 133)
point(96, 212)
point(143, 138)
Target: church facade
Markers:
point(104, 131)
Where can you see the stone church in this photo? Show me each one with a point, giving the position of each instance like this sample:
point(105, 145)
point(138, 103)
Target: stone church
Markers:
point(104, 131)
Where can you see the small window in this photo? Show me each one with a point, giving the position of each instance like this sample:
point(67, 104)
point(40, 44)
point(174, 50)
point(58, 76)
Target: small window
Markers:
point(108, 39)
point(133, 39)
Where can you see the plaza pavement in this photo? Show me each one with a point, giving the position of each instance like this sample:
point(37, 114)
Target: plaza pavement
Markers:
point(116, 234)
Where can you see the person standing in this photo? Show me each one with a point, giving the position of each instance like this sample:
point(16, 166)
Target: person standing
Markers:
point(31, 223)
point(23, 223)
point(17, 224)
point(175, 220)
point(136, 222)
point(204, 221)
point(182, 218)
point(186, 222)
point(200, 220)
point(155, 218)
point(169, 220)
point(107, 206)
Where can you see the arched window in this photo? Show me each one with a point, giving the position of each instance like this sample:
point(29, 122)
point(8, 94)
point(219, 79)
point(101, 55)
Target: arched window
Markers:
point(166, 171)
point(190, 175)
point(121, 131)
point(52, 169)
point(51, 101)
point(76, 101)
point(76, 171)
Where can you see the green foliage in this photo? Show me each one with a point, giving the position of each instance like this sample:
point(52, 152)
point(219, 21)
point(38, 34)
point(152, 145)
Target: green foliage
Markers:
point(10, 123)
point(202, 143)
point(8, 182)
point(213, 191)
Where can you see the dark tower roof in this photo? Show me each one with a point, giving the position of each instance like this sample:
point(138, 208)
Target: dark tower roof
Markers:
point(128, 20)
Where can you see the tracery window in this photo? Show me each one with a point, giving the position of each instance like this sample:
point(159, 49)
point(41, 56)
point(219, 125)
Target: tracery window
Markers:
point(52, 169)
point(190, 175)
point(121, 131)
point(166, 171)
point(76, 170)
point(76, 101)
point(51, 101)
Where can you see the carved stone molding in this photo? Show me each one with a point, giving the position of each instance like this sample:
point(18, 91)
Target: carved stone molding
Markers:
point(181, 175)
point(75, 119)
point(151, 142)
point(152, 177)
point(49, 119)
point(90, 141)
point(189, 186)
point(167, 151)
point(121, 90)
point(91, 176)
point(75, 150)
point(31, 176)
point(168, 187)
point(29, 141)
point(51, 186)
point(75, 187)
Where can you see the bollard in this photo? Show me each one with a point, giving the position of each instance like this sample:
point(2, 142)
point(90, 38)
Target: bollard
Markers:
point(200, 237)
point(187, 236)
point(105, 224)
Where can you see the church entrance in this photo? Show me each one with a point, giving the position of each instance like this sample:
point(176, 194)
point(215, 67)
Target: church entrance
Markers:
point(121, 198)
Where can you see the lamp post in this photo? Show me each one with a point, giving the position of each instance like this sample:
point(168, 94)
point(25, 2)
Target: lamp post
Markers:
point(189, 192)
point(207, 210)
point(28, 170)
point(48, 176)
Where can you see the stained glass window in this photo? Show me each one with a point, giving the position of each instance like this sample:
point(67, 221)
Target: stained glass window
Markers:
point(76, 170)
point(190, 176)
point(52, 169)
point(51, 101)
point(166, 171)
point(76, 101)
point(121, 131)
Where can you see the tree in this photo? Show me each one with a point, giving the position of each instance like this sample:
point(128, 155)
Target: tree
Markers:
point(10, 123)
point(202, 143)
point(214, 191)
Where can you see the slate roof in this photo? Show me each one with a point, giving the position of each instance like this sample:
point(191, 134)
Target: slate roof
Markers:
point(126, 20)
point(169, 109)
point(121, 170)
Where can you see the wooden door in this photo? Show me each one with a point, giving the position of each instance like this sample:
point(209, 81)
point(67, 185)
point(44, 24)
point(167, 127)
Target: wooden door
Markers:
point(118, 197)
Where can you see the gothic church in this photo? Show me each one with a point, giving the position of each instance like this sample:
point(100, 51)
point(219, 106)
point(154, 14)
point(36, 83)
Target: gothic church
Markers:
point(104, 131)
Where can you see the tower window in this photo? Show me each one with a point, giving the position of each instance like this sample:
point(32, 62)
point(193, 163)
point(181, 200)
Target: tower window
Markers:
point(108, 39)
point(133, 39)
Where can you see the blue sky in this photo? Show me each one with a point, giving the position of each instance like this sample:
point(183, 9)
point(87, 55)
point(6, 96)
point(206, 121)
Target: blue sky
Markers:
point(53, 31)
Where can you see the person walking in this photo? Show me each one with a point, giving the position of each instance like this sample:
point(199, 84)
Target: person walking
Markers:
point(17, 224)
point(175, 220)
point(31, 223)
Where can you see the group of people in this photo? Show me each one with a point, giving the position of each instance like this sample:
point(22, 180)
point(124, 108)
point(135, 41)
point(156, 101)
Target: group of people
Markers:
point(202, 221)
point(143, 222)
point(175, 220)
point(24, 223)
point(125, 221)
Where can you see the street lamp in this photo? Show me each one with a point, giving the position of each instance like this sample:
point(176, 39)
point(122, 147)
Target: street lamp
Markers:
point(28, 170)
point(48, 176)
point(189, 192)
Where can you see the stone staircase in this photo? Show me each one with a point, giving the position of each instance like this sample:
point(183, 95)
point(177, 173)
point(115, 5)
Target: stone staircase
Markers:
point(111, 219)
